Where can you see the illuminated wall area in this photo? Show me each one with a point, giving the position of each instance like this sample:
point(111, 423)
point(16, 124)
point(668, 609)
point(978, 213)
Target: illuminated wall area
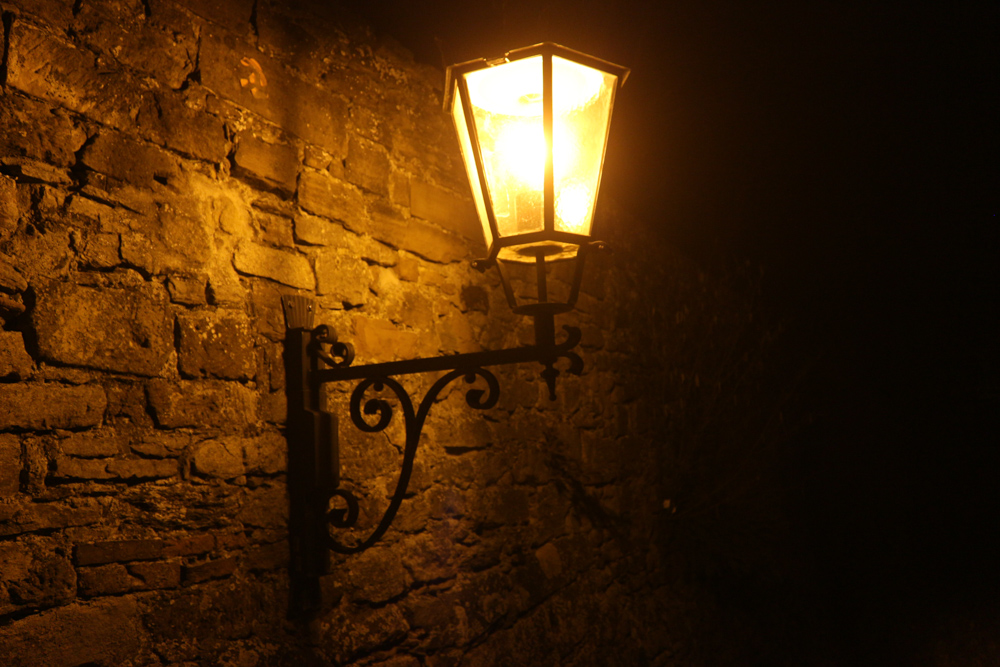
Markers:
point(169, 169)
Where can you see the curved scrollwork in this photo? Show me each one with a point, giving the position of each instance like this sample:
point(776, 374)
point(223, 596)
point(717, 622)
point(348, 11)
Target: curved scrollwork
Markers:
point(340, 355)
point(479, 399)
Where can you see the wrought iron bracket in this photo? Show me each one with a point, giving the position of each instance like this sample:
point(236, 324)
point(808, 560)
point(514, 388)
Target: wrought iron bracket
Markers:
point(314, 357)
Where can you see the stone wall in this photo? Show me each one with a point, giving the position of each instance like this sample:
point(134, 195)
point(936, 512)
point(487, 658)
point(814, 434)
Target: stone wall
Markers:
point(168, 170)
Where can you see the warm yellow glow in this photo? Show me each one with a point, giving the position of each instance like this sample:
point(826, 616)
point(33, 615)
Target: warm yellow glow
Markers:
point(507, 108)
point(573, 205)
point(515, 88)
point(520, 148)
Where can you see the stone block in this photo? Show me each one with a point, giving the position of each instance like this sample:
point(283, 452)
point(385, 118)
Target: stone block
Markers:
point(155, 575)
point(278, 265)
point(112, 579)
point(46, 67)
point(203, 404)
point(106, 632)
point(217, 344)
point(549, 560)
point(14, 360)
point(272, 166)
point(367, 166)
point(98, 443)
point(35, 130)
point(129, 37)
point(313, 230)
point(342, 275)
point(17, 518)
point(265, 507)
point(447, 209)
point(10, 464)
point(275, 230)
point(222, 458)
point(266, 454)
point(213, 569)
point(127, 331)
point(118, 551)
point(352, 632)
point(11, 280)
point(100, 251)
point(378, 574)
point(57, 13)
point(384, 341)
point(170, 122)
point(421, 238)
point(150, 450)
point(127, 160)
point(189, 546)
point(268, 557)
point(236, 71)
point(68, 467)
point(133, 469)
point(322, 194)
point(188, 290)
point(47, 406)
point(36, 573)
point(27, 170)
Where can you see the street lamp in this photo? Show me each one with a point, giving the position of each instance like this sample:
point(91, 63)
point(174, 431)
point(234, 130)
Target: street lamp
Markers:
point(532, 128)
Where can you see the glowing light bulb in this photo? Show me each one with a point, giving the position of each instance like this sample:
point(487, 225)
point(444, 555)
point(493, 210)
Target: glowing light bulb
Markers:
point(521, 149)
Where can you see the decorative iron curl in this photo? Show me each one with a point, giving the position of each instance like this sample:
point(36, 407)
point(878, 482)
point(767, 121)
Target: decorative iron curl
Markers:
point(341, 355)
point(478, 399)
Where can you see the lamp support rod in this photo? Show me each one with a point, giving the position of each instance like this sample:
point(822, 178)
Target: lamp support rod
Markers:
point(314, 357)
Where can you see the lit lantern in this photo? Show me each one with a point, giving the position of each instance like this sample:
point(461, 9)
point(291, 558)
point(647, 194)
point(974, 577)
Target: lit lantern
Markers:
point(533, 127)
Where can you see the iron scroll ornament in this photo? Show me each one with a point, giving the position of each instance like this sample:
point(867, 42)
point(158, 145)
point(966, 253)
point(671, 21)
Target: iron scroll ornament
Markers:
point(414, 424)
point(313, 357)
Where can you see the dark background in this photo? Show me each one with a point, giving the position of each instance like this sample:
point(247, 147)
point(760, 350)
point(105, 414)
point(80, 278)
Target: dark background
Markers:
point(849, 150)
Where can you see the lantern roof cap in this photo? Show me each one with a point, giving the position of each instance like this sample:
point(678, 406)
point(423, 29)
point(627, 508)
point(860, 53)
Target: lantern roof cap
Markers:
point(542, 48)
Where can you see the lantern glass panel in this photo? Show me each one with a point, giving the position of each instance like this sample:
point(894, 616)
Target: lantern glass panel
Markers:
point(465, 142)
point(507, 107)
point(581, 106)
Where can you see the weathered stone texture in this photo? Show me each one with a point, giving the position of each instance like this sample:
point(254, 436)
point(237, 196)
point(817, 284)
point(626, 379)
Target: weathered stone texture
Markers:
point(436, 204)
point(271, 165)
point(127, 331)
point(219, 458)
point(322, 194)
point(420, 238)
point(37, 130)
point(202, 405)
point(170, 121)
point(214, 569)
point(127, 160)
point(215, 344)
point(104, 631)
point(35, 574)
point(118, 551)
point(122, 31)
point(14, 360)
point(234, 70)
point(280, 266)
point(171, 169)
point(47, 67)
point(343, 275)
point(48, 406)
point(367, 165)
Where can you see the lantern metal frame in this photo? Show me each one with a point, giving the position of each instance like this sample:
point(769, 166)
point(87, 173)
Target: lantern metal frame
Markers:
point(313, 357)
point(455, 81)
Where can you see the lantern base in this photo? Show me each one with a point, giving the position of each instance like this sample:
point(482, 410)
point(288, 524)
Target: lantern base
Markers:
point(552, 251)
point(541, 255)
